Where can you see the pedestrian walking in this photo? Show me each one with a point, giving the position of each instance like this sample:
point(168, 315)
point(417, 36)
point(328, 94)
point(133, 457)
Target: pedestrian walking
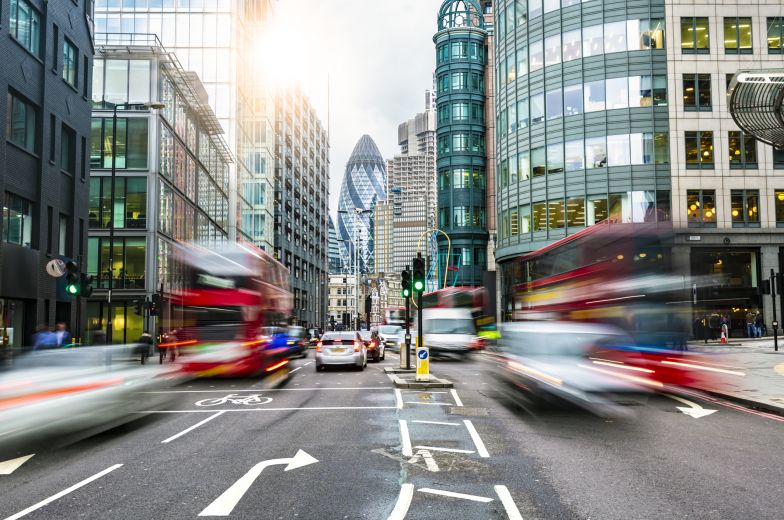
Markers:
point(750, 330)
point(725, 328)
point(64, 338)
point(759, 324)
point(44, 338)
point(144, 346)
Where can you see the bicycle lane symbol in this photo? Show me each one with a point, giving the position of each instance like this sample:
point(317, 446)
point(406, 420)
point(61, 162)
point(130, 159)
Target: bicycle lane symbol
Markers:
point(244, 400)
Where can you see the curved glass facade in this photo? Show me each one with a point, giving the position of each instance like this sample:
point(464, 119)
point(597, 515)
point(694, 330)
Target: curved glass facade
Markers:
point(582, 119)
point(461, 62)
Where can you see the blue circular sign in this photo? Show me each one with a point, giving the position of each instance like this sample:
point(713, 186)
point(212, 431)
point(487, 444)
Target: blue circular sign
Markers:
point(422, 354)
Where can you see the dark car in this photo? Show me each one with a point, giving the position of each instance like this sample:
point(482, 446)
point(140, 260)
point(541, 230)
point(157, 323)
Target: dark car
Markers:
point(297, 341)
point(375, 347)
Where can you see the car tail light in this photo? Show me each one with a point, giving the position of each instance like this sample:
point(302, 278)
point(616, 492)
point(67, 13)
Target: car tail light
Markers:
point(372, 344)
point(356, 346)
point(477, 344)
point(318, 346)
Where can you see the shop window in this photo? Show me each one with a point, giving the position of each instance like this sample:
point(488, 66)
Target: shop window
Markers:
point(779, 206)
point(743, 150)
point(745, 208)
point(17, 220)
point(776, 35)
point(695, 35)
point(737, 35)
point(699, 150)
point(697, 92)
point(701, 208)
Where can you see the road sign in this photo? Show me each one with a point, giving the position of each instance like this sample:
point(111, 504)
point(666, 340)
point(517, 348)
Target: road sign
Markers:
point(55, 268)
point(423, 363)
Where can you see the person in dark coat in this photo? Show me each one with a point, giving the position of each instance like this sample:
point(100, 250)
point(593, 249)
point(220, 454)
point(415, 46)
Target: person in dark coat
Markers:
point(44, 338)
point(144, 346)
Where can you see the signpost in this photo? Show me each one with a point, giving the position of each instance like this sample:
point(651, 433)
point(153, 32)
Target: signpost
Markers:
point(55, 268)
point(423, 353)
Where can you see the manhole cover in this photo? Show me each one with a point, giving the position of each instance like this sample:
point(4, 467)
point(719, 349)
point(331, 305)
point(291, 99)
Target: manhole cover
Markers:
point(468, 412)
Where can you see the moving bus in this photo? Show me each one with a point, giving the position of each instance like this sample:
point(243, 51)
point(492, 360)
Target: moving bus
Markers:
point(231, 293)
point(395, 316)
point(618, 274)
point(475, 299)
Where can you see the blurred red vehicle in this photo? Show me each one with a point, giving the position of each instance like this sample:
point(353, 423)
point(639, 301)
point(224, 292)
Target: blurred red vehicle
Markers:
point(230, 293)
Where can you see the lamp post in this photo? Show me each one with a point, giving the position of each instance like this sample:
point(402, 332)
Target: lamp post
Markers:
point(125, 106)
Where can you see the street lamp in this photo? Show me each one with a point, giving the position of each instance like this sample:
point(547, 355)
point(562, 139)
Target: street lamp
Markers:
point(125, 106)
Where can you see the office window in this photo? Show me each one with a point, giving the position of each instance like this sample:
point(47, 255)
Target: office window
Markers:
point(443, 113)
point(551, 5)
point(699, 150)
point(536, 55)
point(695, 35)
point(478, 112)
point(617, 90)
point(573, 99)
point(745, 208)
point(776, 35)
point(478, 143)
point(460, 112)
point(538, 161)
point(130, 203)
point(737, 35)
point(442, 53)
point(524, 165)
point(511, 70)
point(645, 34)
point(534, 8)
point(17, 220)
point(701, 208)
point(476, 51)
point(461, 178)
point(596, 152)
point(70, 63)
point(25, 25)
point(554, 103)
point(743, 150)
point(443, 144)
point(537, 108)
point(128, 271)
point(512, 123)
point(779, 205)
point(514, 223)
point(645, 91)
point(21, 123)
point(539, 216)
point(522, 113)
point(574, 155)
point(52, 136)
point(593, 40)
point(556, 217)
point(132, 140)
point(552, 50)
point(697, 92)
point(594, 95)
point(575, 212)
point(55, 45)
point(513, 164)
point(614, 37)
point(572, 46)
point(459, 50)
point(618, 150)
point(525, 219)
point(63, 248)
point(555, 158)
point(443, 83)
point(459, 80)
point(461, 216)
point(522, 61)
point(67, 149)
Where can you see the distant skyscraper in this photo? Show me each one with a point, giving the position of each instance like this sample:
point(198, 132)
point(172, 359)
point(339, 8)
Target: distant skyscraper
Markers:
point(412, 181)
point(384, 237)
point(335, 262)
point(364, 184)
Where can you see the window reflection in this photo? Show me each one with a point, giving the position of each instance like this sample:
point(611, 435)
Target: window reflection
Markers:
point(538, 161)
point(593, 40)
point(554, 103)
point(594, 96)
point(618, 152)
point(572, 46)
point(552, 50)
point(617, 93)
point(614, 37)
point(555, 158)
point(536, 55)
point(573, 99)
point(537, 108)
point(573, 155)
point(596, 152)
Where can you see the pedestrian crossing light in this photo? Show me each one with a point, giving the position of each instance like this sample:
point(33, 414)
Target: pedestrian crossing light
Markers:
point(72, 278)
point(406, 283)
point(419, 274)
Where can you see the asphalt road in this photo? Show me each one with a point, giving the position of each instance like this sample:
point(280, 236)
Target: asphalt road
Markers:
point(368, 451)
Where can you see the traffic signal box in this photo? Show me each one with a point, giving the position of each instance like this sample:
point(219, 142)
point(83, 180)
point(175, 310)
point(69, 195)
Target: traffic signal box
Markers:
point(72, 278)
point(419, 274)
point(405, 283)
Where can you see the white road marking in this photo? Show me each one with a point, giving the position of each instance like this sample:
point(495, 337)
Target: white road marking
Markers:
point(428, 458)
point(480, 446)
point(308, 363)
point(62, 493)
point(298, 368)
point(426, 392)
point(448, 450)
point(458, 402)
point(224, 504)
point(266, 390)
point(509, 506)
point(405, 439)
point(437, 422)
point(693, 410)
point(429, 404)
point(452, 494)
point(287, 409)
point(403, 502)
point(398, 398)
point(9, 466)
point(187, 430)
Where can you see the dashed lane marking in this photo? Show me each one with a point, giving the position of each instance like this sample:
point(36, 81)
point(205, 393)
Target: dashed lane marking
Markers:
point(452, 494)
point(187, 430)
point(405, 439)
point(480, 446)
point(509, 506)
point(447, 450)
point(458, 402)
point(436, 422)
point(398, 398)
point(403, 502)
point(429, 404)
point(62, 493)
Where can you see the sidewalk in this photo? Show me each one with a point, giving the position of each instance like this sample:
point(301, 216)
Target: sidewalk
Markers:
point(763, 384)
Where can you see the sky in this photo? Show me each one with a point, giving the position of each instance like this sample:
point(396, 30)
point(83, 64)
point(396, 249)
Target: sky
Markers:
point(379, 57)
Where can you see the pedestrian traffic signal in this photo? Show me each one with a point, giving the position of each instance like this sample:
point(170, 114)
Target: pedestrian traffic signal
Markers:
point(72, 278)
point(419, 274)
point(406, 283)
point(86, 285)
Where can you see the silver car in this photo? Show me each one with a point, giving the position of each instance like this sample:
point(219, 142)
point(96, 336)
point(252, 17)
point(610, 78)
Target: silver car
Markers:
point(391, 336)
point(341, 348)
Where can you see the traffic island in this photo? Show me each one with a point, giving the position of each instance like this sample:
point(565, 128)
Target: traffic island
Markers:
point(406, 378)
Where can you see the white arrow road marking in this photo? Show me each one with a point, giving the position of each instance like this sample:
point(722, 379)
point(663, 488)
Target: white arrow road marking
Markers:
point(506, 499)
point(405, 438)
point(9, 466)
point(178, 435)
point(428, 458)
point(693, 409)
point(480, 446)
point(452, 494)
point(403, 502)
point(62, 493)
point(224, 504)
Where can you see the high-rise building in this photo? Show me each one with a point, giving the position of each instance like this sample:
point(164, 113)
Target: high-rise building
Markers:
point(335, 262)
point(171, 183)
point(385, 246)
point(364, 184)
point(620, 114)
point(301, 199)
point(412, 185)
point(45, 76)
point(464, 150)
point(220, 41)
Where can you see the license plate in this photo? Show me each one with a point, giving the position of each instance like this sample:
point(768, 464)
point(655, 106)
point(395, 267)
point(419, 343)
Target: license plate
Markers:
point(338, 350)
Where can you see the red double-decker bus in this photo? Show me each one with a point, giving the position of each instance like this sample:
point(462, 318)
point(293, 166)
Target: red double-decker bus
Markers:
point(231, 293)
point(619, 274)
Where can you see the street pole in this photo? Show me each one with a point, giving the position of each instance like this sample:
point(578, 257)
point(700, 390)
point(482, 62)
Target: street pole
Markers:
point(111, 227)
point(408, 328)
point(773, 299)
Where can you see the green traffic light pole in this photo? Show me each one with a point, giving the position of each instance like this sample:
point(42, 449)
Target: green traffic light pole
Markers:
point(407, 294)
point(125, 106)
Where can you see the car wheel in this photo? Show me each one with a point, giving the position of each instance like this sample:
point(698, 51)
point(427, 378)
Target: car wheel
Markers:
point(376, 357)
point(318, 368)
point(304, 354)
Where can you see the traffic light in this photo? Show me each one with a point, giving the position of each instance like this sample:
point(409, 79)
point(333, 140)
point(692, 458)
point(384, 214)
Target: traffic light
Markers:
point(86, 284)
point(406, 283)
point(72, 278)
point(137, 307)
point(155, 304)
point(419, 274)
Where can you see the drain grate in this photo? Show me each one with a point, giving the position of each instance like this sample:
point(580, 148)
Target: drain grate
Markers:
point(467, 411)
